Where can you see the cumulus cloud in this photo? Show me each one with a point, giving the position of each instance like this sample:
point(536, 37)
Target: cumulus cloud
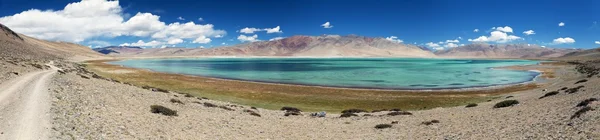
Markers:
point(273, 30)
point(141, 43)
point(327, 25)
point(597, 42)
point(244, 38)
point(276, 38)
point(249, 30)
point(180, 18)
point(433, 45)
point(202, 40)
point(99, 43)
point(450, 45)
point(394, 39)
point(496, 36)
point(79, 21)
point(566, 40)
point(175, 41)
point(453, 41)
point(505, 29)
point(476, 30)
point(561, 24)
point(460, 38)
point(529, 32)
point(200, 19)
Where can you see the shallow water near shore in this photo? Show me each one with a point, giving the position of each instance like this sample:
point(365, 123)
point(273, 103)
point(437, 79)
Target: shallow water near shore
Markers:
point(376, 73)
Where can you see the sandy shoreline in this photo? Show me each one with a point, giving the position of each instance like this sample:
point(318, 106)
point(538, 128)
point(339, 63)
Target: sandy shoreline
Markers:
point(106, 109)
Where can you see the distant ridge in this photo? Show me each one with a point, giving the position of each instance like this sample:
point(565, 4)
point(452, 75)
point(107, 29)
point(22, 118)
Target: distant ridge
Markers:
point(313, 46)
point(503, 51)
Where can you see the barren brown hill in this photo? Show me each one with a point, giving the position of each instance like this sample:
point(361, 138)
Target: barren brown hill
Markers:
point(310, 46)
point(16, 45)
point(503, 51)
point(591, 54)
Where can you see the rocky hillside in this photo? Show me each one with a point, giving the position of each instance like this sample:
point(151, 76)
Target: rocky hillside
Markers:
point(318, 46)
point(591, 54)
point(14, 45)
point(503, 51)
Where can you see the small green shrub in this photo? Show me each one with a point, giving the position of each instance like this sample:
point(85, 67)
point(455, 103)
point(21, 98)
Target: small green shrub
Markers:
point(564, 88)
point(506, 103)
point(176, 101)
point(157, 109)
point(586, 102)
point(206, 104)
point(292, 113)
point(382, 126)
point(291, 109)
point(581, 81)
point(354, 111)
point(581, 112)
point(573, 90)
point(346, 115)
point(471, 105)
point(399, 113)
point(255, 114)
point(552, 93)
point(226, 108)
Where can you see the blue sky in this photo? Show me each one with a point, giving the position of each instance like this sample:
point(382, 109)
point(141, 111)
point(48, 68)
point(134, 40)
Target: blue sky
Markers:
point(431, 23)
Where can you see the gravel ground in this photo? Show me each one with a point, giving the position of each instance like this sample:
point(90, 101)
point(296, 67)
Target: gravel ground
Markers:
point(102, 109)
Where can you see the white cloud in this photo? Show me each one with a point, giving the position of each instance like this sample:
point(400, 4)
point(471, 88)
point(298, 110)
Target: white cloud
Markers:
point(200, 19)
point(394, 39)
point(248, 30)
point(597, 42)
point(529, 32)
point(276, 38)
point(561, 24)
point(496, 36)
point(273, 30)
point(453, 41)
point(327, 25)
point(175, 41)
point(180, 18)
point(141, 43)
point(244, 38)
point(566, 40)
point(459, 38)
point(433, 45)
point(79, 21)
point(202, 40)
point(476, 30)
point(505, 29)
point(543, 46)
point(450, 45)
point(440, 42)
point(189, 30)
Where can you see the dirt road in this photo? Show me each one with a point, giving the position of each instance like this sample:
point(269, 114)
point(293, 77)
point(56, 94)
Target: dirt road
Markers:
point(25, 105)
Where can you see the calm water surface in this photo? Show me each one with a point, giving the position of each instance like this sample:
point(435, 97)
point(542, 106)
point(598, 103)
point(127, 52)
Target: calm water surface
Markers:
point(383, 73)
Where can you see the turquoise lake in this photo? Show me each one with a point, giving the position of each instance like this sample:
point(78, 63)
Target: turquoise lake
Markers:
point(378, 73)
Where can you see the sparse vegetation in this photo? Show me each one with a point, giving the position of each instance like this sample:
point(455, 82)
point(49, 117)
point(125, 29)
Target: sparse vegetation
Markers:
point(395, 109)
point(226, 108)
point(84, 77)
point(374, 111)
point(471, 105)
point(255, 114)
point(573, 90)
point(430, 122)
point(395, 113)
point(206, 104)
point(176, 101)
point(353, 111)
point(564, 88)
point(581, 112)
point(552, 93)
point(291, 109)
point(382, 126)
point(187, 95)
point(506, 103)
point(345, 115)
point(509, 96)
point(253, 108)
point(157, 109)
point(160, 90)
point(586, 102)
point(292, 113)
point(581, 81)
